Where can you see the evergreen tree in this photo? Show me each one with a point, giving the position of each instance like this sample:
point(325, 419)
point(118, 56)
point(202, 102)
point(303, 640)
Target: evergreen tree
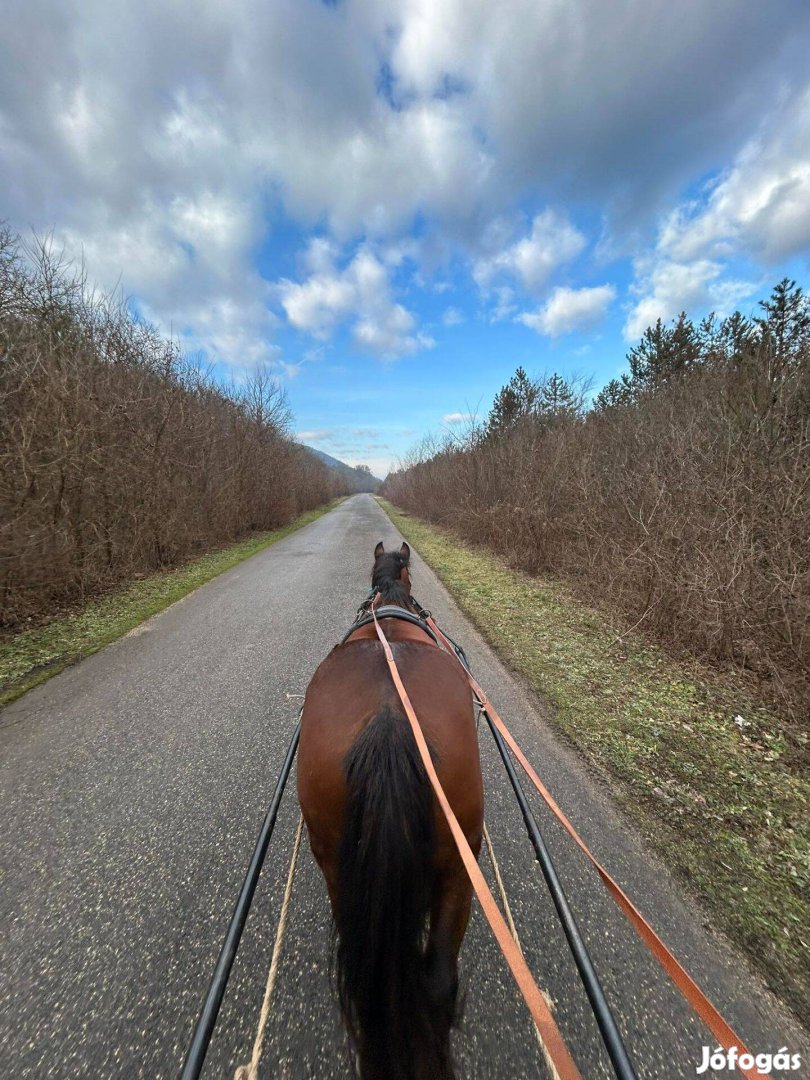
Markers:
point(514, 401)
point(614, 395)
point(664, 353)
point(556, 399)
point(685, 349)
point(785, 329)
point(736, 336)
point(647, 356)
point(778, 340)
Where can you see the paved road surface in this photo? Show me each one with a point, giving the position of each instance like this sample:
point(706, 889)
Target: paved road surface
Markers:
point(133, 788)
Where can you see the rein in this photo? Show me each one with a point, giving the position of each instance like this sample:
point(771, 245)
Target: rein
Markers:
point(561, 1059)
point(684, 982)
point(688, 988)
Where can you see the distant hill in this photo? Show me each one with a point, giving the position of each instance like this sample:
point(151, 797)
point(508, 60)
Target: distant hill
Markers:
point(358, 479)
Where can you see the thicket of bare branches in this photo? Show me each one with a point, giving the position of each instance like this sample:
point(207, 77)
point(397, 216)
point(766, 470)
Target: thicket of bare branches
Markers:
point(116, 456)
point(682, 497)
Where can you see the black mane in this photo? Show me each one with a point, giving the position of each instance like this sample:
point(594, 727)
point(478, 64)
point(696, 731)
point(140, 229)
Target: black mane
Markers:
point(385, 578)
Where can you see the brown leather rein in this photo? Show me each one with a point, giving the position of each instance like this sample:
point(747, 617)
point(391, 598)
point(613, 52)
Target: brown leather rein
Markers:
point(557, 1050)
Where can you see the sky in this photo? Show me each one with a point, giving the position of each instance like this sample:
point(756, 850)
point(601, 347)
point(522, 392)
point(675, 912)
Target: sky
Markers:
point(393, 205)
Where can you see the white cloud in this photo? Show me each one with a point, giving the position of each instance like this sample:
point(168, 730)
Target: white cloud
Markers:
point(667, 288)
point(358, 446)
point(759, 208)
point(321, 435)
point(320, 304)
point(627, 103)
point(455, 418)
point(452, 317)
point(761, 205)
point(237, 330)
point(504, 304)
point(189, 275)
point(163, 170)
point(570, 309)
point(285, 97)
point(359, 293)
point(552, 241)
point(217, 226)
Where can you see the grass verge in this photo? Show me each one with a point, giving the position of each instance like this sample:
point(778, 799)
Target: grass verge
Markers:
point(32, 656)
point(712, 778)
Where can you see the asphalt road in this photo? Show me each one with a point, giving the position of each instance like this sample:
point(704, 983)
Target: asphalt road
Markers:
point(133, 786)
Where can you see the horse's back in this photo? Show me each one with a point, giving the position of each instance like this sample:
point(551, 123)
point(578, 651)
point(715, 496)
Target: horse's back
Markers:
point(353, 686)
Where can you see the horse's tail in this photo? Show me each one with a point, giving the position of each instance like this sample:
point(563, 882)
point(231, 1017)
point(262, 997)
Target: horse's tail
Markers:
point(385, 886)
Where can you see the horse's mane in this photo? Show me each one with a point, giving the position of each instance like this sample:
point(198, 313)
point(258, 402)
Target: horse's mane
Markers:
point(385, 577)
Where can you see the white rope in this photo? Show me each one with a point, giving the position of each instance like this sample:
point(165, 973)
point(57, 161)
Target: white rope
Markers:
point(508, 913)
point(251, 1070)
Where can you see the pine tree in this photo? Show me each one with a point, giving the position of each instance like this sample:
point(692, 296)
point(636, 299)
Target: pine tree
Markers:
point(513, 402)
point(736, 336)
point(664, 353)
point(647, 357)
point(556, 399)
point(785, 329)
point(614, 395)
point(686, 352)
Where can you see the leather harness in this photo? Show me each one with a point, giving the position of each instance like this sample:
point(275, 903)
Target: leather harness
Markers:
point(414, 627)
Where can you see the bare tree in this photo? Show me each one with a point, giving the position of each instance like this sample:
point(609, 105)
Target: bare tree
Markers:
point(117, 455)
point(682, 497)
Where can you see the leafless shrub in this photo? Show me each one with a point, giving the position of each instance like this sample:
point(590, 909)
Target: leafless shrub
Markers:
point(116, 456)
point(682, 499)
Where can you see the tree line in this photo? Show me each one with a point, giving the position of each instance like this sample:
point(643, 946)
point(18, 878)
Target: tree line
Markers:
point(117, 455)
point(680, 495)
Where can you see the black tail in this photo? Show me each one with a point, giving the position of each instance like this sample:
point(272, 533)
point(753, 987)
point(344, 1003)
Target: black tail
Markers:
point(385, 883)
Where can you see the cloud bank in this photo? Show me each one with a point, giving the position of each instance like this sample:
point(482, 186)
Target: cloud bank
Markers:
point(182, 149)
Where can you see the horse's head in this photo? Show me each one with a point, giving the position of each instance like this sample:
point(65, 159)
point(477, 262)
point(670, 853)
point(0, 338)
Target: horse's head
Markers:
point(391, 575)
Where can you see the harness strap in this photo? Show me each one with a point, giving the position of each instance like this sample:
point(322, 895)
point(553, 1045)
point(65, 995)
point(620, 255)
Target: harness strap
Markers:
point(389, 611)
point(694, 996)
point(558, 1051)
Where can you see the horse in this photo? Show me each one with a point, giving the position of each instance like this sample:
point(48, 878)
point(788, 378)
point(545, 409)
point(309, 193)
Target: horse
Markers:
point(399, 893)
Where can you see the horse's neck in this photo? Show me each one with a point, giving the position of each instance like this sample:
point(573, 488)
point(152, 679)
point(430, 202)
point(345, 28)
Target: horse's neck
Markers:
point(396, 598)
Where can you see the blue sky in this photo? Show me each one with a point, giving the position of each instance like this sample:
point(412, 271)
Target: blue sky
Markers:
point(392, 205)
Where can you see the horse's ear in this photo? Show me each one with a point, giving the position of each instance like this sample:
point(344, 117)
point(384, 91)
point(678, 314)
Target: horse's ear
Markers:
point(379, 550)
point(405, 551)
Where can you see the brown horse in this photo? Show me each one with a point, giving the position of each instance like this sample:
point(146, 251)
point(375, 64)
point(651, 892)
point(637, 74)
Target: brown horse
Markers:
point(399, 892)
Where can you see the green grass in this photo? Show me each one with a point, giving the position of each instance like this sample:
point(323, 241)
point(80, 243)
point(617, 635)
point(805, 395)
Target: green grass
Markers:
point(31, 657)
point(726, 805)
